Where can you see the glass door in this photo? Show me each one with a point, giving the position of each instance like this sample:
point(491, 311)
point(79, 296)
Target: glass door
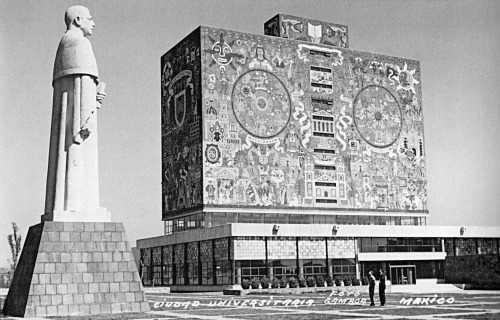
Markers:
point(403, 274)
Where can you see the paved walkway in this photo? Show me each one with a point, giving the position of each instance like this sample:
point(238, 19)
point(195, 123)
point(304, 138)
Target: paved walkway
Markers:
point(437, 288)
point(326, 305)
point(427, 288)
point(452, 306)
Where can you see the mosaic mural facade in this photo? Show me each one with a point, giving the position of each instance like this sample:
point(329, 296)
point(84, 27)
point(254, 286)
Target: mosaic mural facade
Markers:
point(311, 248)
point(282, 248)
point(253, 120)
point(315, 31)
point(249, 248)
point(342, 248)
point(181, 126)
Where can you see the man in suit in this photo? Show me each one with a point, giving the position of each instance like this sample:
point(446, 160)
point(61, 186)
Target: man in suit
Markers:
point(371, 287)
point(381, 288)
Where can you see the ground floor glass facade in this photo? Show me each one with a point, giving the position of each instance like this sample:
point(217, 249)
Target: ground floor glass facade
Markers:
point(230, 260)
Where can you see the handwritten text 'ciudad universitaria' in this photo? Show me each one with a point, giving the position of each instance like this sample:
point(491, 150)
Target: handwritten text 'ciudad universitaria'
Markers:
point(336, 297)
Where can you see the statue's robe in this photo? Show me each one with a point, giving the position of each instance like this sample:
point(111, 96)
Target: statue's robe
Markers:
point(72, 191)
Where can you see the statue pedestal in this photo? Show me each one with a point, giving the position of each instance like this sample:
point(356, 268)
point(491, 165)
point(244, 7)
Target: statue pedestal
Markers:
point(75, 268)
point(96, 215)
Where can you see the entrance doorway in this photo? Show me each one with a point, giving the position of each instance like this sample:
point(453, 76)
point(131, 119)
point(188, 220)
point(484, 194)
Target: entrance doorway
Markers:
point(404, 274)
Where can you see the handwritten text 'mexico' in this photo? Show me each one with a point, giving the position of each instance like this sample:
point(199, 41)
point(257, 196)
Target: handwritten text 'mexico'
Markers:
point(427, 300)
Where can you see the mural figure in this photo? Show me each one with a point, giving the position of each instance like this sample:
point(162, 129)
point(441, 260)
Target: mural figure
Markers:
point(210, 192)
point(291, 25)
point(260, 60)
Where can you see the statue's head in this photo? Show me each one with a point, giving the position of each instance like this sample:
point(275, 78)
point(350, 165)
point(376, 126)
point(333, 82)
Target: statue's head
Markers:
point(78, 17)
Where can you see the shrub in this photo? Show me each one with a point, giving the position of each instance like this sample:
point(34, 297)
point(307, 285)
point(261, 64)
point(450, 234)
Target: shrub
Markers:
point(320, 281)
point(292, 282)
point(355, 282)
point(347, 281)
point(338, 282)
point(283, 282)
point(302, 282)
point(311, 282)
point(245, 284)
point(482, 271)
point(364, 281)
point(329, 281)
point(264, 282)
point(255, 283)
point(275, 283)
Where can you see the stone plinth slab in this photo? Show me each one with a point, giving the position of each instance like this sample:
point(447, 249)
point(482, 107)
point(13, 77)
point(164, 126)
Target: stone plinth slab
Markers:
point(75, 268)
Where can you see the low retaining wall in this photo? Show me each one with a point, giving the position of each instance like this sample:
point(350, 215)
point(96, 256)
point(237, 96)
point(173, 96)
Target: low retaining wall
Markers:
point(280, 291)
point(464, 286)
point(199, 288)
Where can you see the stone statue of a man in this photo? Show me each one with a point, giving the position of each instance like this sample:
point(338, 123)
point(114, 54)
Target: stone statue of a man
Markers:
point(72, 192)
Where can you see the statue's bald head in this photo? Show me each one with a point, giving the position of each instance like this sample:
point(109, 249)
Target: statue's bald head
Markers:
point(73, 12)
point(78, 17)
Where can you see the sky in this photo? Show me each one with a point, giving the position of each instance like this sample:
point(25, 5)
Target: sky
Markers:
point(455, 41)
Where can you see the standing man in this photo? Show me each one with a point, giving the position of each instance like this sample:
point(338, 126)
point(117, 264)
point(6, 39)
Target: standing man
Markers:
point(381, 288)
point(371, 287)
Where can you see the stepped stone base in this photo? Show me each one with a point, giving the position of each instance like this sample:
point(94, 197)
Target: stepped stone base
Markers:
point(75, 268)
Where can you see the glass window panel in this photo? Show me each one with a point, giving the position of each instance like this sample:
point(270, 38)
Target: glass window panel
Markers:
point(380, 244)
point(231, 217)
point(283, 218)
point(406, 221)
point(365, 220)
point(372, 220)
point(244, 218)
point(352, 219)
point(385, 220)
point(331, 219)
point(297, 219)
point(319, 219)
point(270, 218)
point(342, 219)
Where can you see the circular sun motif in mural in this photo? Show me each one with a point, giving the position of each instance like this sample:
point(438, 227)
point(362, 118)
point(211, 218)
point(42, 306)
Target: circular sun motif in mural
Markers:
point(261, 103)
point(377, 116)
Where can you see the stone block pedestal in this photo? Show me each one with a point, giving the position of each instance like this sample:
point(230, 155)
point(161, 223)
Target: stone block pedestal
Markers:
point(75, 268)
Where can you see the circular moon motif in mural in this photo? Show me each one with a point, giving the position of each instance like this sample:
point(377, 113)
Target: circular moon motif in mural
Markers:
point(261, 103)
point(377, 116)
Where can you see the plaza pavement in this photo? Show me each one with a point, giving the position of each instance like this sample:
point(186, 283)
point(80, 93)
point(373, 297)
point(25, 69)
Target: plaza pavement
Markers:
point(465, 304)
